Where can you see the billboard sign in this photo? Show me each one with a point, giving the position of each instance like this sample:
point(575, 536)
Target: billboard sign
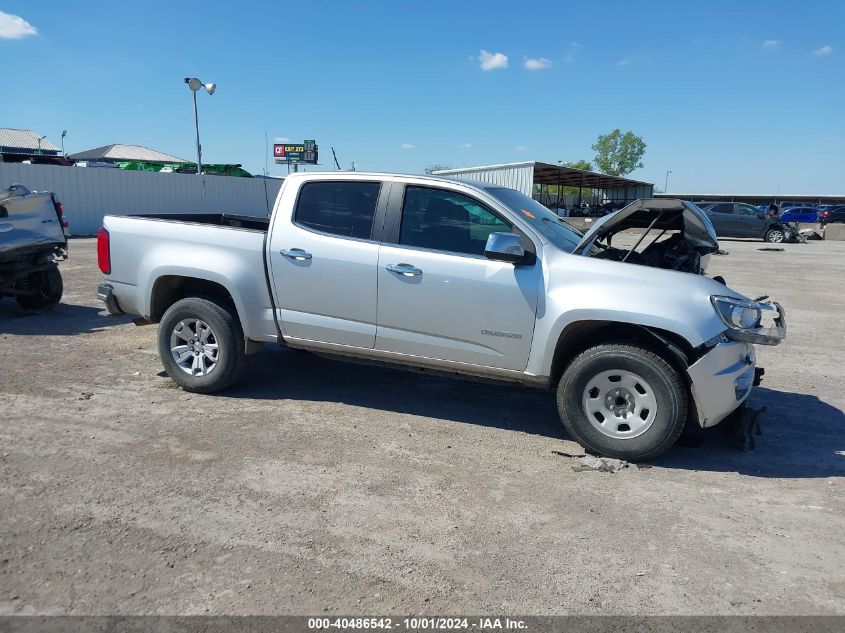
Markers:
point(305, 152)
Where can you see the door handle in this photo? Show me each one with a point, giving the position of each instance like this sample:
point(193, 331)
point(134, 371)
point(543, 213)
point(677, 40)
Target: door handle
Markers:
point(295, 253)
point(404, 269)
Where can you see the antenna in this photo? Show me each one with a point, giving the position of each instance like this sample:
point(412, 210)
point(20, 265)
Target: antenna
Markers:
point(337, 164)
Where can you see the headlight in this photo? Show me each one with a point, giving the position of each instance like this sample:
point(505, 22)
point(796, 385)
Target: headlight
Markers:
point(741, 314)
point(743, 318)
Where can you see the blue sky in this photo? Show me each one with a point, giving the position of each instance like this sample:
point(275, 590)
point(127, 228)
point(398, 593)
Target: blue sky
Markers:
point(730, 96)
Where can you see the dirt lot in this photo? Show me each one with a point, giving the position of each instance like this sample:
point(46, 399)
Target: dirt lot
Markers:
point(324, 486)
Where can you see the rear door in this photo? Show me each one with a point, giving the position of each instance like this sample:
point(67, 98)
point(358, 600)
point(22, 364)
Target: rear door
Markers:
point(323, 260)
point(439, 296)
point(722, 216)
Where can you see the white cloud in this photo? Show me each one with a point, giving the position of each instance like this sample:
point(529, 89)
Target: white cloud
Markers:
point(408, 146)
point(14, 27)
point(465, 146)
point(282, 139)
point(824, 51)
point(520, 148)
point(772, 43)
point(492, 61)
point(624, 61)
point(537, 64)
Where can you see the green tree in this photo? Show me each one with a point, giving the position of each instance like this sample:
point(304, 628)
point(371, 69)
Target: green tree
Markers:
point(618, 154)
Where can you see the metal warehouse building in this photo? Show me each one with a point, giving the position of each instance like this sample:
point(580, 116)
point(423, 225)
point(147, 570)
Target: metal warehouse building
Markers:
point(534, 178)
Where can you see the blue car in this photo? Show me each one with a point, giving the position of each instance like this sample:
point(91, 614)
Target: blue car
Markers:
point(800, 214)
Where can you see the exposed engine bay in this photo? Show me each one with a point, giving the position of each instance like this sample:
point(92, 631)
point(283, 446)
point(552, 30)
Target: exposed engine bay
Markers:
point(672, 234)
point(672, 253)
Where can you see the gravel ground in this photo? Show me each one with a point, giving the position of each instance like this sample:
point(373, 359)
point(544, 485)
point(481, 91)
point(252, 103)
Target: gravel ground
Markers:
point(322, 486)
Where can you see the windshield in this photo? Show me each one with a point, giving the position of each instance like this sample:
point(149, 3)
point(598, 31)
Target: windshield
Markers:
point(539, 217)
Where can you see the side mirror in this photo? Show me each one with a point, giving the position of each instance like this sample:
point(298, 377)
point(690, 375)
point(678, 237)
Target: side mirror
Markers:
point(505, 247)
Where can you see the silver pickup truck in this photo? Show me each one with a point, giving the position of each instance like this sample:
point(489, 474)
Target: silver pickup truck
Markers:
point(461, 278)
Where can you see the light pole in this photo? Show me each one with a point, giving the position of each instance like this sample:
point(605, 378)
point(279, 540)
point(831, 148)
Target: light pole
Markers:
point(666, 185)
point(39, 144)
point(195, 84)
point(64, 134)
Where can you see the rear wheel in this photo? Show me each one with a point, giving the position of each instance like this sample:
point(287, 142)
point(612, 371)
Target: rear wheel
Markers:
point(775, 236)
point(201, 345)
point(48, 289)
point(622, 401)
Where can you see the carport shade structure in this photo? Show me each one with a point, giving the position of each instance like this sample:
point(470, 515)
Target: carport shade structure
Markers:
point(528, 175)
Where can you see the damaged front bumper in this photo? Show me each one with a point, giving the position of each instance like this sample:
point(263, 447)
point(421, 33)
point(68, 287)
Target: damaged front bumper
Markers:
point(721, 380)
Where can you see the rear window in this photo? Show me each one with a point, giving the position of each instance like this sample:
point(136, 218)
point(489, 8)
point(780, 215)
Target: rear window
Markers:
point(340, 208)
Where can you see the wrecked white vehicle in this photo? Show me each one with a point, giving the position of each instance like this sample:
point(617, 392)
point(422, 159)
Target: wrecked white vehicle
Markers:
point(460, 278)
point(32, 242)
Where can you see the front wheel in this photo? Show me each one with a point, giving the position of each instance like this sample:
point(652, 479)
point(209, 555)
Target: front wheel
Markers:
point(46, 288)
point(775, 236)
point(201, 345)
point(622, 401)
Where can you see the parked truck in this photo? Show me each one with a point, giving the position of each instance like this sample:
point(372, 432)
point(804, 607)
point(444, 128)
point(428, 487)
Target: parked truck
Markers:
point(32, 243)
point(460, 278)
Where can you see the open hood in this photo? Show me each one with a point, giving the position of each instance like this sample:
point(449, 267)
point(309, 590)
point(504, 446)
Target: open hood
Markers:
point(661, 214)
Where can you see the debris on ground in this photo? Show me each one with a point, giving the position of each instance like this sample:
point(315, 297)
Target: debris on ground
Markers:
point(601, 464)
point(771, 249)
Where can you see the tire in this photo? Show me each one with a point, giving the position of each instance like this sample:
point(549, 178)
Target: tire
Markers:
point(652, 402)
point(775, 236)
point(205, 369)
point(49, 289)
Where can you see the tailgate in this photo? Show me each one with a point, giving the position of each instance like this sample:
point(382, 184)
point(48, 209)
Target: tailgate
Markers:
point(29, 220)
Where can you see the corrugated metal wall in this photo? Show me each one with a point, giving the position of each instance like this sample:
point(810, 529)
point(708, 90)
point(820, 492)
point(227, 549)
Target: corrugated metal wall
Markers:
point(90, 193)
point(518, 176)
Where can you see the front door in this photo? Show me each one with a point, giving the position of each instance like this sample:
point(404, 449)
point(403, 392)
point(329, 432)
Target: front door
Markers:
point(748, 217)
point(439, 297)
point(323, 262)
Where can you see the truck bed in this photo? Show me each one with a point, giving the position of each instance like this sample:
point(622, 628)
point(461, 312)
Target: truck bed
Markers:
point(214, 219)
point(224, 249)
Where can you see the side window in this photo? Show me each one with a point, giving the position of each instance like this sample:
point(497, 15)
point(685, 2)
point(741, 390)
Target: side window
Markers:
point(447, 221)
point(724, 207)
point(746, 209)
point(341, 208)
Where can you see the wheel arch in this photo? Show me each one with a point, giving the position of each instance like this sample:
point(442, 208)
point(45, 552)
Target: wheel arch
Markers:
point(581, 335)
point(170, 288)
